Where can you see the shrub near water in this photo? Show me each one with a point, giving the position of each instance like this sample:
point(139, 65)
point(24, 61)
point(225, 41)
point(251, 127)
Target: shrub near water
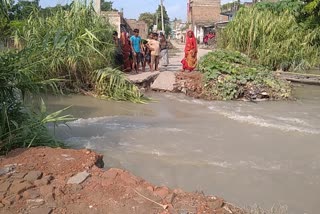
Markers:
point(273, 39)
point(21, 126)
point(72, 45)
point(231, 75)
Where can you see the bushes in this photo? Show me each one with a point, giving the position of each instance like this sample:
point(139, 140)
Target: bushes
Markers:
point(231, 75)
point(71, 45)
point(275, 40)
point(19, 125)
point(66, 50)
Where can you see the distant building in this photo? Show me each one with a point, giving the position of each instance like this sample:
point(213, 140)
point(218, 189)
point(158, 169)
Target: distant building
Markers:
point(202, 16)
point(117, 20)
point(141, 25)
point(178, 29)
point(121, 24)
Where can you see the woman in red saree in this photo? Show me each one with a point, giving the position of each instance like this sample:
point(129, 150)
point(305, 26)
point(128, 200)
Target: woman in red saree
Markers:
point(126, 50)
point(190, 52)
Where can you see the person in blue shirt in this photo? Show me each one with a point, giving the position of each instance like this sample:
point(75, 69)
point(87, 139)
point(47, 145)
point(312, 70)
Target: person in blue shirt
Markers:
point(136, 44)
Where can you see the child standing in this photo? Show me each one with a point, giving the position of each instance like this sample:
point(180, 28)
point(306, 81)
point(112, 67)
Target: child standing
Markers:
point(154, 46)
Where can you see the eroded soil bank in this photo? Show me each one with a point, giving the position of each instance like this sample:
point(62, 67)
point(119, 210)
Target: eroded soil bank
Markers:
point(46, 180)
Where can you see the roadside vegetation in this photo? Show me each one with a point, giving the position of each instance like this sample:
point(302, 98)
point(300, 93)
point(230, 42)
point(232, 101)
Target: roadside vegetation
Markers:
point(261, 39)
point(60, 50)
point(282, 35)
point(230, 75)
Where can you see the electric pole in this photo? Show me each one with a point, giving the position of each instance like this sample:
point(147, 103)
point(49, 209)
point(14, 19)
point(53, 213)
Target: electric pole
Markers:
point(162, 18)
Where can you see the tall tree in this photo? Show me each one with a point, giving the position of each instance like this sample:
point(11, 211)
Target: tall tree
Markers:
point(106, 5)
point(165, 17)
point(312, 12)
point(148, 18)
point(23, 9)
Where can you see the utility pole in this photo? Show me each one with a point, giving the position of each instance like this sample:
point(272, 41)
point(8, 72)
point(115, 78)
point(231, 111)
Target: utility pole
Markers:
point(162, 18)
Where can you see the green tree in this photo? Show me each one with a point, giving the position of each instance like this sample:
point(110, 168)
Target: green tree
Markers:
point(165, 18)
point(312, 12)
point(106, 5)
point(148, 18)
point(23, 9)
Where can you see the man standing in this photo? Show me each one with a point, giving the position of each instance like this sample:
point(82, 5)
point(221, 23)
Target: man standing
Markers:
point(136, 48)
point(154, 46)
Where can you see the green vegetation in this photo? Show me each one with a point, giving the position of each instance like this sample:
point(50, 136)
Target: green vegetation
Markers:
point(71, 45)
point(154, 18)
point(275, 40)
point(231, 75)
point(21, 126)
point(62, 49)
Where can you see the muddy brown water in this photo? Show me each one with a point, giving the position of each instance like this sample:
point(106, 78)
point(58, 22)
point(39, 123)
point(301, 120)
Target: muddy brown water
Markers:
point(249, 153)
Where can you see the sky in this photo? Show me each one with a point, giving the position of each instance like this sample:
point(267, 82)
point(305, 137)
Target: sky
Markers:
point(132, 8)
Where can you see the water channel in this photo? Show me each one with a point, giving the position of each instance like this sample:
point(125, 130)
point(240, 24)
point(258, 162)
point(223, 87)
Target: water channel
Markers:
point(264, 153)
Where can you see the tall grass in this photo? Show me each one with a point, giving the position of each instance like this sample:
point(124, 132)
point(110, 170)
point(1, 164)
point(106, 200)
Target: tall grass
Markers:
point(72, 45)
point(274, 40)
point(21, 126)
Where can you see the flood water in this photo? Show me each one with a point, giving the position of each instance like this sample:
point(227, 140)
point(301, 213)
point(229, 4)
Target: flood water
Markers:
point(249, 153)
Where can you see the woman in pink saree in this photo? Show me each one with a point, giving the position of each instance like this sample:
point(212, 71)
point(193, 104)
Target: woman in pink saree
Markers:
point(189, 62)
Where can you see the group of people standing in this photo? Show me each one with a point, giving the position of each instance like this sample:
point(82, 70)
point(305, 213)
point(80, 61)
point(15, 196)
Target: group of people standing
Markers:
point(133, 53)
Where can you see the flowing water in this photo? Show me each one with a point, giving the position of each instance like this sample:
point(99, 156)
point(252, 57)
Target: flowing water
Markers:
point(264, 153)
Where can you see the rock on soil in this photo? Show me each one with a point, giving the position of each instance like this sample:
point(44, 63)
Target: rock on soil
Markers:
point(39, 184)
point(165, 82)
point(78, 178)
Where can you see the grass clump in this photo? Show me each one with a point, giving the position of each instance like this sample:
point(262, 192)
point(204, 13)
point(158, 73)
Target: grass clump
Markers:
point(21, 126)
point(231, 75)
point(273, 39)
point(74, 45)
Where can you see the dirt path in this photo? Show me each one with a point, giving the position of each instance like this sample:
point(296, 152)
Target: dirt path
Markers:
point(61, 181)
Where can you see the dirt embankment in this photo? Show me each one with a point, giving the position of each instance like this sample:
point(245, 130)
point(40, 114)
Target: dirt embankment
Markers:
point(46, 180)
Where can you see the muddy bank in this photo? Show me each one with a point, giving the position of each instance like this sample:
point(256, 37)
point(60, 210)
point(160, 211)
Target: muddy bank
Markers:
point(46, 180)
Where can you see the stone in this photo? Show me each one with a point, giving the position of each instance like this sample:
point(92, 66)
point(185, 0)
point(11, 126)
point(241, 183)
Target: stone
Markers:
point(5, 186)
point(165, 81)
point(2, 195)
point(19, 175)
point(78, 178)
point(45, 190)
point(9, 200)
point(76, 187)
point(33, 175)
point(150, 188)
point(162, 192)
point(1, 205)
point(7, 169)
point(44, 181)
point(41, 210)
point(31, 194)
point(20, 187)
point(216, 204)
point(35, 202)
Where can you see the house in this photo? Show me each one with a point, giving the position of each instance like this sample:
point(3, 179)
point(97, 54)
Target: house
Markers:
point(140, 25)
point(202, 16)
point(178, 29)
point(117, 20)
